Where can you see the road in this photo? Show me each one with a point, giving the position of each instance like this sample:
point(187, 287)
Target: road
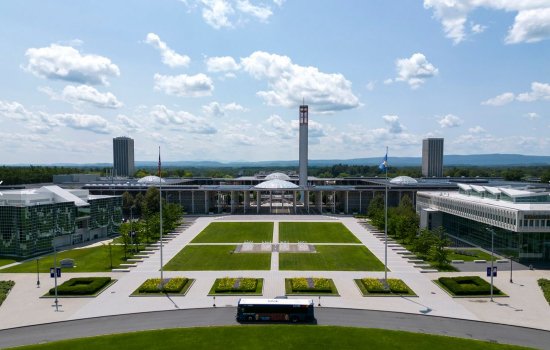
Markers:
point(225, 316)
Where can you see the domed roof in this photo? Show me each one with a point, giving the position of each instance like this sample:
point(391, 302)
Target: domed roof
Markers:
point(403, 180)
point(277, 176)
point(276, 184)
point(150, 180)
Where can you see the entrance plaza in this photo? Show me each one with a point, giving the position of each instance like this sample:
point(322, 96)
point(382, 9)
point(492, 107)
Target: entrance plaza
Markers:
point(525, 305)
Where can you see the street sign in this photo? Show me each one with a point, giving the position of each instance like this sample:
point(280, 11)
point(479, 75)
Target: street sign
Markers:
point(52, 272)
point(55, 271)
point(494, 271)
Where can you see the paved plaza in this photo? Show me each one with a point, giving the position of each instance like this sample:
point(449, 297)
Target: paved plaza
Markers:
point(525, 305)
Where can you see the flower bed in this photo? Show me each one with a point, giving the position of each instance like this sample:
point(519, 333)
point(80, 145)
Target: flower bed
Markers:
point(376, 286)
point(468, 286)
point(544, 285)
point(171, 285)
point(81, 286)
point(231, 285)
point(302, 285)
point(5, 287)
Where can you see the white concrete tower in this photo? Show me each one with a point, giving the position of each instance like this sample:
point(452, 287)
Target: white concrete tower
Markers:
point(303, 146)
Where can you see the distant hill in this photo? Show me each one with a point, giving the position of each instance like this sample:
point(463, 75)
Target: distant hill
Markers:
point(448, 160)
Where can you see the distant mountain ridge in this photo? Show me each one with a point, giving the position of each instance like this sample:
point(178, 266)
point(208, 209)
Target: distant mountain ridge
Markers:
point(448, 160)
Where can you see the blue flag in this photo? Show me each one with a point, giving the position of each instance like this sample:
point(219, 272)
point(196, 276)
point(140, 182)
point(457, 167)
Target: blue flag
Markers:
point(384, 165)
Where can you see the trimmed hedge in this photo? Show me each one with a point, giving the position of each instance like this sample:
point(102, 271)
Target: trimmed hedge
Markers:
point(302, 285)
point(5, 287)
point(544, 285)
point(227, 285)
point(172, 285)
point(468, 285)
point(81, 286)
point(376, 286)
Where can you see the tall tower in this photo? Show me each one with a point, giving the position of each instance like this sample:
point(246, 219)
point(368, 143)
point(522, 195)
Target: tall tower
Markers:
point(303, 146)
point(432, 157)
point(123, 156)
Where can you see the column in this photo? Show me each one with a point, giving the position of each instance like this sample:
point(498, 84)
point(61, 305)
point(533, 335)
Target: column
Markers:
point(270, 202)
point(206, 203)
point(246, 200)
point(334, 202)
point(294, 200)
point(193, 202)
point(347, 203)
point(258, 201)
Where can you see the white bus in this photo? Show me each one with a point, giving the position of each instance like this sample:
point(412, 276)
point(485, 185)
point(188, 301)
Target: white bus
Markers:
point(293, 310)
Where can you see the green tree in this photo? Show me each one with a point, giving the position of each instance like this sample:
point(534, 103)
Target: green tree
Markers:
point(375, 211)
point(423, 243)
point(438, 251)
point(127, 203)
point(150, 204)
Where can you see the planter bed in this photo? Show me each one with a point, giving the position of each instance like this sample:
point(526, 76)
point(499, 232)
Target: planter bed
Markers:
point(5, 287)
point(237, 286)
point(374, 287)
point(177, 286)
point(310, 286)
point(544, 285)
point(81, 287)
point(467, 287)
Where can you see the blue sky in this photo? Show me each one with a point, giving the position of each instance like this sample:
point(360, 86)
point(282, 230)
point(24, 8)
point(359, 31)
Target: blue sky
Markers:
point(222, 79)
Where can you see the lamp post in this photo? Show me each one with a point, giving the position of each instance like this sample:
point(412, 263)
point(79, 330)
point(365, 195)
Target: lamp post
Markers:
point(56, 302)
point(37, 273)
point(511, 261)
point(492, 257)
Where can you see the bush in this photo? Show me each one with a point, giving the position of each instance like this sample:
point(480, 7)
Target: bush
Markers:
point(398, 286)
point(81, 286)
point(5, 287)
point(227, 285)
point(173, 285)
point(302, 285)
point(468, 285)
point(376, 286)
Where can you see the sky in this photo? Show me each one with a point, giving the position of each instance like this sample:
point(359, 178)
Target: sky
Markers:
point(221, 80)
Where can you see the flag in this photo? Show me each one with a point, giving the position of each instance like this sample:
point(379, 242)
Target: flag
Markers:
point(159, 161)
point(384, 165)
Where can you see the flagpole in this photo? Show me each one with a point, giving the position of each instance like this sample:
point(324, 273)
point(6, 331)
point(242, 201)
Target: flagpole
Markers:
point(160, 206)
point(386, 225)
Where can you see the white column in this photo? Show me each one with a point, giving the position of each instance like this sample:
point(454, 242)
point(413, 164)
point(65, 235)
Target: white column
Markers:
point(258, 201)
point(233, 201)
point(347, 202)
point(270, 202)
point(193, 202)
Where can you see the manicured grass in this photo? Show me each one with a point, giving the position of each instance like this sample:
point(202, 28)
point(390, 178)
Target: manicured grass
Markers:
point(246, 286)
point(293, 337)
point(371, 287)
point(199, 258)
point(315, 232)
point(332, 258)
point(301, 286)
point(5, 287)
point(6, 262)
point(467, 286)
point(177, 286)
point(236, 232)
point(82, 286)
point(545, 286)
point(469, 255)
point(95, 259)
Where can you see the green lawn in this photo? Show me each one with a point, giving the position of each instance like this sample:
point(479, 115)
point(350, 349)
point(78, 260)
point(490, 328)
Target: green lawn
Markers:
point(469, 255)
point(236, 232)
point(95, 259)
point(293, 337)
point(6, 262)
point(332, 258)
point(315, 232)
point(197, 258)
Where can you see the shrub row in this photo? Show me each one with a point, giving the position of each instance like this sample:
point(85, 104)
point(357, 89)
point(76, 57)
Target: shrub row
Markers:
point(468, 285)
point(81, 286)
point(153, 285)
point(374, 285)
point(544, 285)
point(227, 285)
point(302, 285)
point(5, 287)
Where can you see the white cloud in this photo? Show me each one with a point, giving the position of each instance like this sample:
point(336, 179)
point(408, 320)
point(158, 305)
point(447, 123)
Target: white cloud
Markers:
point(241, 139)
point(93, 123)
point(286, 130)
point(184, 85)
point(221, 64)
point(394, 126)
point(14, 110)
point(500, 100)
point(216, 13)
point(476, 130)
point(415, 70)
point(290, 83)
point(181, 120)
point(128, 123)
point(371, 85)
point(532, 116)
point(477, 28)
point(216, 109)
point(262, 13)
point(531, 24)
point(84, 94)
point(450, 121)
point(539, 91)
point(169, 56)
point(67, 63)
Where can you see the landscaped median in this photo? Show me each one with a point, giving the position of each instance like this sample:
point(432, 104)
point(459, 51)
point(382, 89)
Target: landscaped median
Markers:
point(310, 286)
point(5, 287)
point(81, 287)
point(177, 286)
point(467, 287)
point(372, 287)
point(237, 286)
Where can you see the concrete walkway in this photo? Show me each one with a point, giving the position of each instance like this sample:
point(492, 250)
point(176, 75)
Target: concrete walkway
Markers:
point(526, 306)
